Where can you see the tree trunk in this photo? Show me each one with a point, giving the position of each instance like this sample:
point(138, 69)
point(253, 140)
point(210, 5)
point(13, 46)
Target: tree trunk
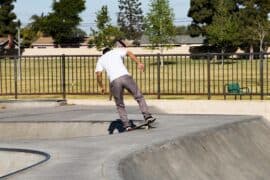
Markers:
point(161, 52)
point(251, 52)
point(222, 55)
point(261, 45)
point(10, 41)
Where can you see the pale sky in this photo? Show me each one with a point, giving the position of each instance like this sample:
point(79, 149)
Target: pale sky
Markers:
point(24, 9)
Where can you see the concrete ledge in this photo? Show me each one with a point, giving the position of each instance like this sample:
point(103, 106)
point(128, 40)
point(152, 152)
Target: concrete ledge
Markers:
point(214, 107)
point(242, 107)
point(51, 130)
point(16, 104)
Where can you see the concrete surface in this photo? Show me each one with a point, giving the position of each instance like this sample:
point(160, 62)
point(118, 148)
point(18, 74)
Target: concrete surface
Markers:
point(238, 151)
point(194, 146)
point(22, 104)
point(14, 160)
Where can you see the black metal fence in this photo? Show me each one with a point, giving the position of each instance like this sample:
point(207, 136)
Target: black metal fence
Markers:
point(174, 74)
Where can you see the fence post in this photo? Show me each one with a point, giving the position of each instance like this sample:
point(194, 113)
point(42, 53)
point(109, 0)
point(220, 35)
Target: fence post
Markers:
point(208, 77)
point(63, 76)
point(15, 78)
point(158, 76)
point(261, 75)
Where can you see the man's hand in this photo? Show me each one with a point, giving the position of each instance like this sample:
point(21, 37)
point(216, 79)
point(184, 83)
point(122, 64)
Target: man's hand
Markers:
point(99, 80)
point(135, 59)
point(102, 90)
point(141, 67)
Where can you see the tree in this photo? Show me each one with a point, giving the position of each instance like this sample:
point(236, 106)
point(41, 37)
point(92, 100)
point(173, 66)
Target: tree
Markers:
point(201, 12)
point(262, 31)
point(254, 22)
point(181, 30)
point(224, 29)
point(159, 24)
point(37, 23)
point(7, 23)
point(61, 23)
point(33, 30)
point(251, 17)
point(28, 36)
point(130, 18)
point(106, 34)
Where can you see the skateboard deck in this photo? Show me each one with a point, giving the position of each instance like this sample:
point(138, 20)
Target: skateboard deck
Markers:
point(118, 125)
point(146, 125)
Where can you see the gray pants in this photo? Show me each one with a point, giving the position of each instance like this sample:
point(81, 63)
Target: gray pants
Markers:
point(117, 89)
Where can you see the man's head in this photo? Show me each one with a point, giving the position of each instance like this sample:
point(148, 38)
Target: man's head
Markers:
point(106, 50)
point(120, 43)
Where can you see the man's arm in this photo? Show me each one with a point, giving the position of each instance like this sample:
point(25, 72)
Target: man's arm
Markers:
point(135, 59)
point(99, 80)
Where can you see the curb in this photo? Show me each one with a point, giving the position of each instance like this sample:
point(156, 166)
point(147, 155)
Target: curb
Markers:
point(4, 104)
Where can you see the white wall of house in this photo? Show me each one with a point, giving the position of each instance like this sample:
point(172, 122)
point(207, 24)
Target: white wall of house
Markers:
point(59, 51)
point(92, 51)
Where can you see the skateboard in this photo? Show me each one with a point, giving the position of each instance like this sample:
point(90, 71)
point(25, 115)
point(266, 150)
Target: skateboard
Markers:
point(146, 125)
point(118, 125)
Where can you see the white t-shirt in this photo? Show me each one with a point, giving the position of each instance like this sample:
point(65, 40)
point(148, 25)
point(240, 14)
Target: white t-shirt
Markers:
point(112, 63)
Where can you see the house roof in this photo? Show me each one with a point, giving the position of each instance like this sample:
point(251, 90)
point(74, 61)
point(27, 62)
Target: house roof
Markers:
point(182, 39)
point(43, 40)
point(86, 40)
point(186, 39)
point(49, 41)
point(3, 40)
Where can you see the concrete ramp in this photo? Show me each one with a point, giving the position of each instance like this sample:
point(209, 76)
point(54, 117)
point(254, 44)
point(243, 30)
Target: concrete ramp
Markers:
point(237, 151)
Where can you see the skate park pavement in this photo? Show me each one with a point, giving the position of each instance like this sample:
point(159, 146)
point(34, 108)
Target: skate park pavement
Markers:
point(193, 140)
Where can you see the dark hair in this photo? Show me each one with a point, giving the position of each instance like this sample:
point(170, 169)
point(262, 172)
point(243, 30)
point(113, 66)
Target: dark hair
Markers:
point(122, 43)
point(106, 50)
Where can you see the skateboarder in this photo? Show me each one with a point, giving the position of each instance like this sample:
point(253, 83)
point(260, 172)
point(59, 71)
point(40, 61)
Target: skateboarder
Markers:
point(112, 62)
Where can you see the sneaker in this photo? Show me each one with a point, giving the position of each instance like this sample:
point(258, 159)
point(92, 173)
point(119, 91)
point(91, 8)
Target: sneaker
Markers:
point(150, 119)
point(128, 128)
point(131, 123)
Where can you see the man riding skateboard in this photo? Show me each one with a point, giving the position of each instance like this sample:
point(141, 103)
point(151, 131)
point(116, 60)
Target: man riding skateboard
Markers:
point(112, 62)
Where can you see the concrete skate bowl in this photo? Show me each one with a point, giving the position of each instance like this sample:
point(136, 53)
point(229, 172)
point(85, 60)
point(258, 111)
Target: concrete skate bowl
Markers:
point(17, 160)
point(237, 151)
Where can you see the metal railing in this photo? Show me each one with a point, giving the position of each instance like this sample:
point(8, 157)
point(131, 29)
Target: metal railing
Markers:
point(165, 74)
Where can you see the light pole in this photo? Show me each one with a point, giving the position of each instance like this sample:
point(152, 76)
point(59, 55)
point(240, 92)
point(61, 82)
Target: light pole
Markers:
point(19, 50)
